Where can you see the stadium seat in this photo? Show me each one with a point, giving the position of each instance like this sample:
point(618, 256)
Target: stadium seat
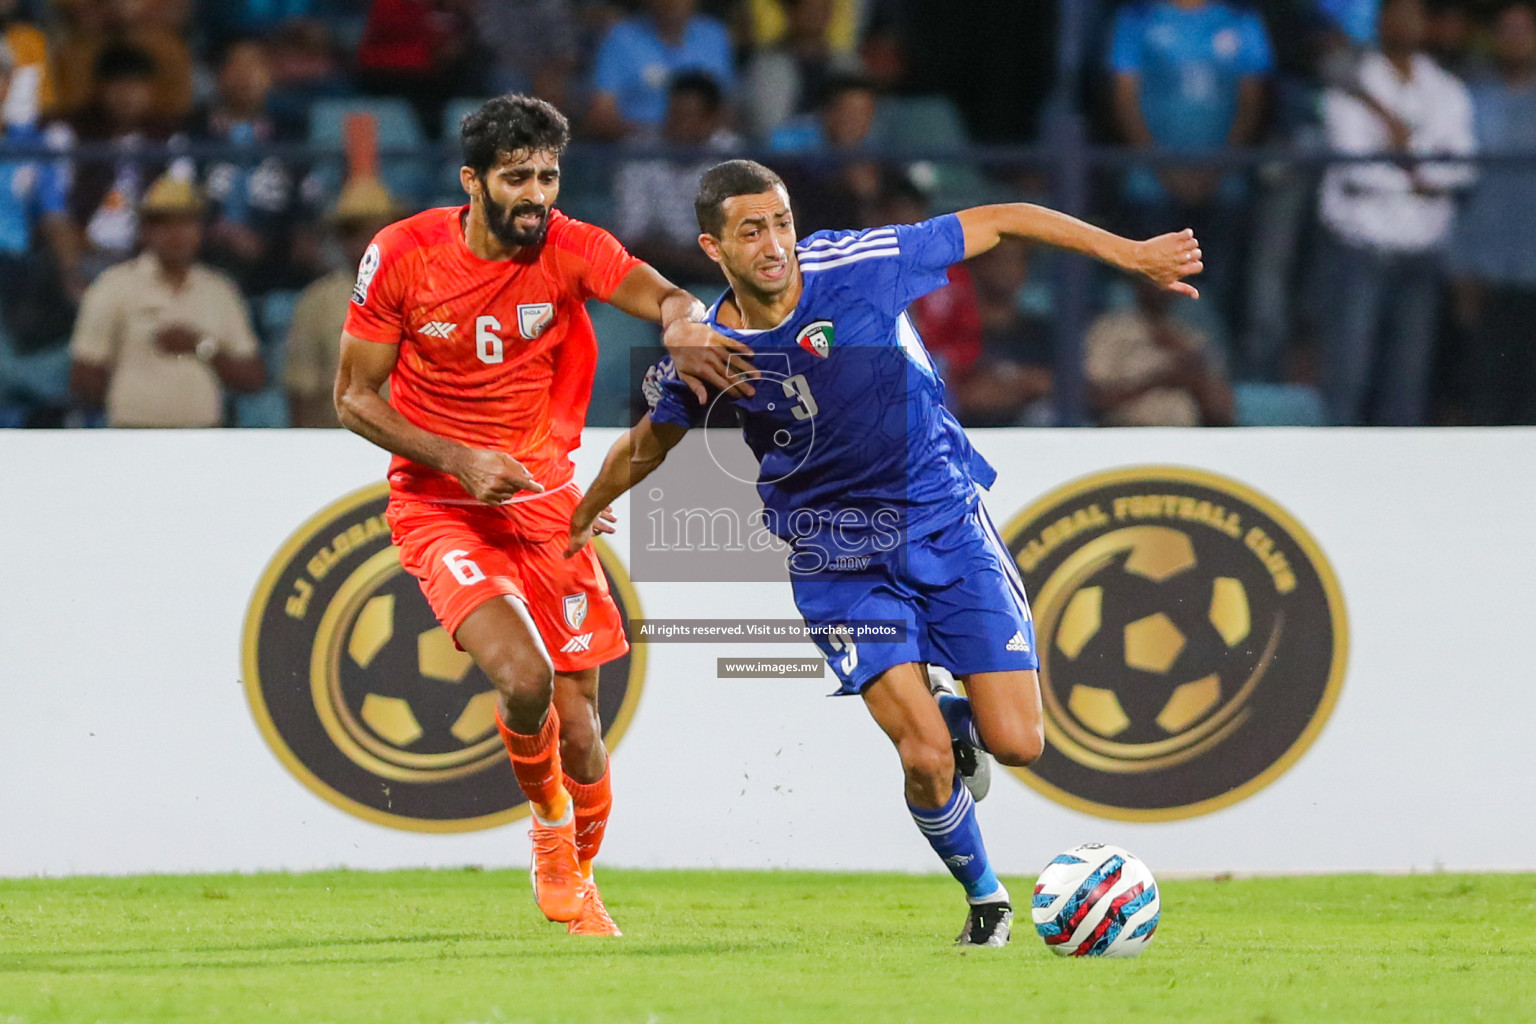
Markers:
point(924, 123)
point(455, 111)
point(919, 122)
point(617, 380)
point(586, 184)
point(32, 381)
point(269, 406)
point(274, 312)
point(407, 176)
point(1277, 405)
point(446, 188)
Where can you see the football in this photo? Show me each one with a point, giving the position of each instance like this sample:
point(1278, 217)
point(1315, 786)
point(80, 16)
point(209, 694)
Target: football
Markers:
point(1096, 900)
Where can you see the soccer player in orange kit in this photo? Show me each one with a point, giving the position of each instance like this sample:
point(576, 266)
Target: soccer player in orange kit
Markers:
point(474, 316)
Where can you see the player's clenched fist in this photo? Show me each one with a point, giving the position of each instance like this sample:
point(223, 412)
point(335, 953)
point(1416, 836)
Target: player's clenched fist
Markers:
point(492, 477)
point(1168, 259)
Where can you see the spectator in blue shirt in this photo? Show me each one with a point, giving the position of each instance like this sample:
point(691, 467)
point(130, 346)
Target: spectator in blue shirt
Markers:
point(227, 20)
point(843, 119)
point(29, 190)
point(1493, 252)
point(641, 55)
point(35, 313)
point(255, 196)
point(1189, 74)
point(827, 166)
point(1355, 18)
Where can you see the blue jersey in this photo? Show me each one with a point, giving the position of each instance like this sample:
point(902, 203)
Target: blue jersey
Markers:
point(29, 189)
point(1191, 62)
point(855, 447)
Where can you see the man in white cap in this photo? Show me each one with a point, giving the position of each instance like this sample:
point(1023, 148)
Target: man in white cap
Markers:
point(161, 337)
point(362, 211)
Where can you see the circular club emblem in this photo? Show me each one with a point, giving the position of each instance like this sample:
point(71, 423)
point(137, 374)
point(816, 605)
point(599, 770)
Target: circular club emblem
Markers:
point(1192, 641)
point(365, 698)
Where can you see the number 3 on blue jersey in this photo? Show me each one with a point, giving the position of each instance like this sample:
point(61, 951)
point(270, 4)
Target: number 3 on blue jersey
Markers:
point(798, 388)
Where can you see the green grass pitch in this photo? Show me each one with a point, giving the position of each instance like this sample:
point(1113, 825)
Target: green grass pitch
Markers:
point(468, 946)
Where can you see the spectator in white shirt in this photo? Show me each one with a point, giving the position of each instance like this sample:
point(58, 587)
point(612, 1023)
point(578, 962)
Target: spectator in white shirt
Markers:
point(1388, 222)
point(1493, 257)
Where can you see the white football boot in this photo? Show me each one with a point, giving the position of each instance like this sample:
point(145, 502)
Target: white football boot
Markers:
point(973, 763)
point(987, 924)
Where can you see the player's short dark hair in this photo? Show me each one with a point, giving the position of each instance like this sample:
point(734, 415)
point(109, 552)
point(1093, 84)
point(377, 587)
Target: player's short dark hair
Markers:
point(699, 84)
point(513, 124)
point(122, 62)
point(721, 182)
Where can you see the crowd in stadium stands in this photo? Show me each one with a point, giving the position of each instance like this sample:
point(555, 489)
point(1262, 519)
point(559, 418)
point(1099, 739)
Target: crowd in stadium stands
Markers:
point(208, 287)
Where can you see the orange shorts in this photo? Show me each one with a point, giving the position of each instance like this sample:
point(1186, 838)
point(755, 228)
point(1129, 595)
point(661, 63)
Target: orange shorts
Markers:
point(465, 555)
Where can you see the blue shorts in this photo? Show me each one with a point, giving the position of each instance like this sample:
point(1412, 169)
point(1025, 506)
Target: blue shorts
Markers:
point(957, 589)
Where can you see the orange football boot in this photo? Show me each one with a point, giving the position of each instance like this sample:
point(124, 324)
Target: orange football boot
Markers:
point(558, 885)
point(594, 919)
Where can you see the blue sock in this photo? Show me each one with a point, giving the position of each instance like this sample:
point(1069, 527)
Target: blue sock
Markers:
point(962, 724)
point(954, 835)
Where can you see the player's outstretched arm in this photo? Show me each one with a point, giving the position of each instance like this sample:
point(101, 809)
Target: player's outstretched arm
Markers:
point(491, 477)
point(1167, 259)
point(702, 356)
point(633, 457)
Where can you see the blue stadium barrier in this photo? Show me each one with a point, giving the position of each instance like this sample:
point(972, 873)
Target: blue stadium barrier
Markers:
point(274, 313)
point(269, 406)
point(1277, 405)
point(618, 334)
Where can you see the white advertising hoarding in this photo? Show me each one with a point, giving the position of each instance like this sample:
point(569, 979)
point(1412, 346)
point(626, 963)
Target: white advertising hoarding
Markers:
point(131, 561)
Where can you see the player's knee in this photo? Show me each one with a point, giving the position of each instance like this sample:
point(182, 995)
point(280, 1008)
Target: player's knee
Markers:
point(524, 678)
point(1018, 746)
point(580, 728)
point(929, 767)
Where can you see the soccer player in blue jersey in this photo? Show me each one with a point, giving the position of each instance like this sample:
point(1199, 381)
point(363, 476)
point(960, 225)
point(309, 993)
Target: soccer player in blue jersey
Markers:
point(871, 481)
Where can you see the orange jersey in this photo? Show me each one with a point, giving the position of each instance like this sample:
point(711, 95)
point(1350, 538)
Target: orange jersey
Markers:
point(494, 354)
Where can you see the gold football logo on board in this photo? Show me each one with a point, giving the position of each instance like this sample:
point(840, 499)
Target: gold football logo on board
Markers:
point(368, 701)
point(1192, 641)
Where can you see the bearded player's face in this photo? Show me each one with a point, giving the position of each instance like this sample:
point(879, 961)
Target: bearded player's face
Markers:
point(518, 194)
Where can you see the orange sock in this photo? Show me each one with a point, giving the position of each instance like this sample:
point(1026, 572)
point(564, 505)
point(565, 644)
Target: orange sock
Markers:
point(536, 763)
point(593, 801)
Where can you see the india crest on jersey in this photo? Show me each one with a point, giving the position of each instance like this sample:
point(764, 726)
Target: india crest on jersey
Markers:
point(816, 338)
point(575, 608)
point(534, 317)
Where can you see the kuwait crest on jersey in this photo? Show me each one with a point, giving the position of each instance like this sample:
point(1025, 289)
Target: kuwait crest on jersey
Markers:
point(816, 338)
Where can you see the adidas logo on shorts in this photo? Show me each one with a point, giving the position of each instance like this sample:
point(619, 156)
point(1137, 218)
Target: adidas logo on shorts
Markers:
point(1018, 643)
